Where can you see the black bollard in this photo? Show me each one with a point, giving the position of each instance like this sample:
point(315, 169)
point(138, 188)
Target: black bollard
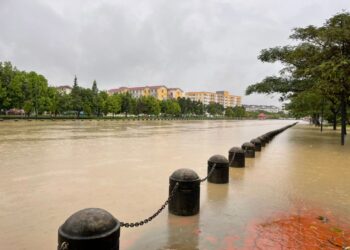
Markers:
point(220, 173)
point(263, 140)
point(268, 136)
point(249, 149)
point(185, 201)
point(257, 143)
point(89, 229)
point(236, 157)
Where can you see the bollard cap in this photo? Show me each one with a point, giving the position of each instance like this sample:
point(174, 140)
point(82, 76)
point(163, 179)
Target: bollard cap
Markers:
point(184, 175)
point(236, 150)
point(218, 159)
point(268, 135)
point(262, 138)
point(256, 140)
point(248, 145)
point(89, 223)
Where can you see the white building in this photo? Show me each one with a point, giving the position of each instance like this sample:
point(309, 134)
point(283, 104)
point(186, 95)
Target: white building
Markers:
point(266, 108)
point(222, 97)
point(64, 89)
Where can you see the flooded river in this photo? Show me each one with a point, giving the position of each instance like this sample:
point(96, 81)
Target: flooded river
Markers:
point(51, 169)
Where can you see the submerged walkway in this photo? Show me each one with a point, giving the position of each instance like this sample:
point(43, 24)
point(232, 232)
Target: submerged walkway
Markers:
point(293, 195)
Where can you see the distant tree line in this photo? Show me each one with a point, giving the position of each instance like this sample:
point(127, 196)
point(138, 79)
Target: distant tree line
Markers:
point(29, 91)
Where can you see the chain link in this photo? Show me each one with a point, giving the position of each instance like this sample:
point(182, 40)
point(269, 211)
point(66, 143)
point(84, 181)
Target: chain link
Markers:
point(232, 159)
point(172, 193)
point(64, 246)
point(145, 221)
point(210, 173)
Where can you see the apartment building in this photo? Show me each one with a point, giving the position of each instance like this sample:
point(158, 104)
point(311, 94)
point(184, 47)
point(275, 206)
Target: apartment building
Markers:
point(203, 97)
point(160, 92)
point(174, 93)
point(222, 97)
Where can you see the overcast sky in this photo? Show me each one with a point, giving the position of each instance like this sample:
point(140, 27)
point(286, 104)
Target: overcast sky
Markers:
point(197, 45)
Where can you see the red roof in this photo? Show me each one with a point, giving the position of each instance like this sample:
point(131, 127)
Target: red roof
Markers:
point(156, 87)
point(118, 89)
point(175, 89)
point(135, 88)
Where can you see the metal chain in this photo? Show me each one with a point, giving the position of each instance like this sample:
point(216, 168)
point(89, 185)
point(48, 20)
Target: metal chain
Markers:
point(145, 221)
point(64, 246)
point(210, 173)
point(233, 157)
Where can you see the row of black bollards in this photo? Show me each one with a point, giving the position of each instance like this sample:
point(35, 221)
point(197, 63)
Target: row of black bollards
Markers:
point(97, 229)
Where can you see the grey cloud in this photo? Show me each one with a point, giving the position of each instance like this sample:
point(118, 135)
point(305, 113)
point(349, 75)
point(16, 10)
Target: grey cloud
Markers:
point(196, 45)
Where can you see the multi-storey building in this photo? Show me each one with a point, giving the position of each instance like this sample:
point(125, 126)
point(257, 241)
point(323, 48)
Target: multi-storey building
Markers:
point(235, 101)
point(160, 92)
point(266, 108)
point(174, 93)
point(203, 97)
point(222, 97)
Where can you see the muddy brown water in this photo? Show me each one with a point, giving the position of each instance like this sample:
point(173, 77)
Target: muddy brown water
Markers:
point(51, 169)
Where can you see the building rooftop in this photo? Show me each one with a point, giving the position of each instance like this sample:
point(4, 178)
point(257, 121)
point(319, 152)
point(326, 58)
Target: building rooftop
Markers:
point(136, 88)
point(63, 87)
point(175, 89)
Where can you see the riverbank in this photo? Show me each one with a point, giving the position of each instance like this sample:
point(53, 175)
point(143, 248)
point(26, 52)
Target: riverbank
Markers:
point(123, 118)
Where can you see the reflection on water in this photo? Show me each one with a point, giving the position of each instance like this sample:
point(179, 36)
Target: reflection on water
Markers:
point(50, 169)
point(178, 227)
point(217, 193)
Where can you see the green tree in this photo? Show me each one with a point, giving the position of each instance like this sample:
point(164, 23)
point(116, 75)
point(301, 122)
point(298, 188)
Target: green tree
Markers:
point(76, 97)
point(170, 107)
point(239, 112)
point(114, 104)
point(7, 73)
point(101, 103)
point(58, 103)
point(87, 97)
point(94, 88)
point(15, 93)
point(197, 108)
point(153, 105)
point(36, 92)
point(320, 62)
point(127, 104)
point(229, 112)
point(307, 103)
point(189, 107)
point(215, 109)
point(95, 98)
point(185, 105)
point(28, 107)
point(147, 105)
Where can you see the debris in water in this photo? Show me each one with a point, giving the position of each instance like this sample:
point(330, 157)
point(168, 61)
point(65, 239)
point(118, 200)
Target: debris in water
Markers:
point(323, 219)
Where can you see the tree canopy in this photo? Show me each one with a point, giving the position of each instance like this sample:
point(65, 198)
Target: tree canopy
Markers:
point(316, 68)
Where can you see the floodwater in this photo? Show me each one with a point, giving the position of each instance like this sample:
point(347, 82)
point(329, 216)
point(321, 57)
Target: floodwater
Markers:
point(51, 169)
